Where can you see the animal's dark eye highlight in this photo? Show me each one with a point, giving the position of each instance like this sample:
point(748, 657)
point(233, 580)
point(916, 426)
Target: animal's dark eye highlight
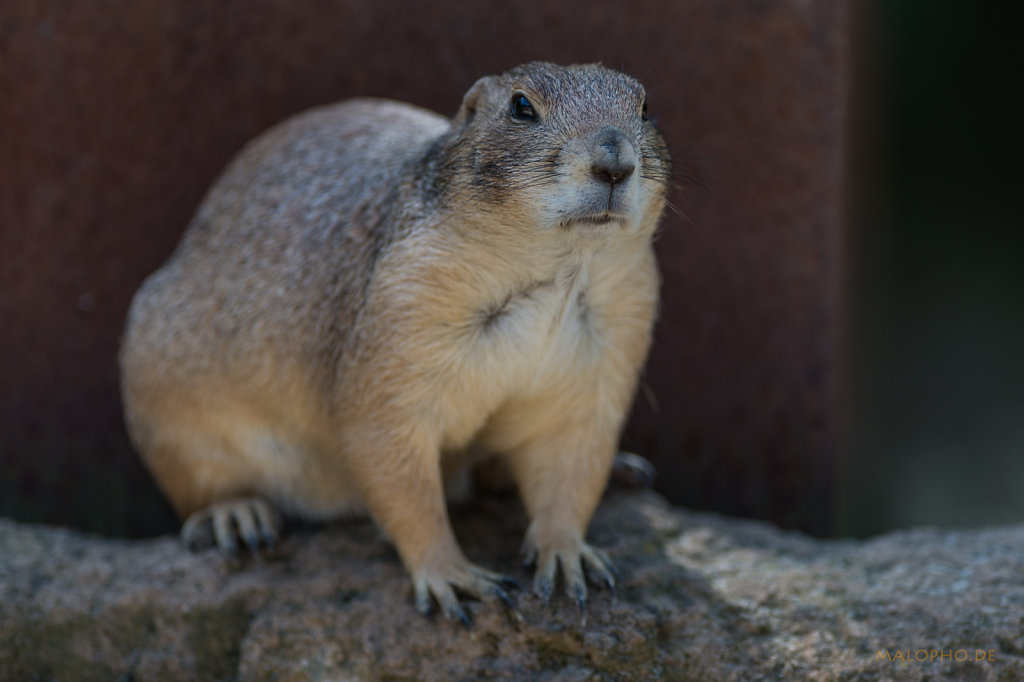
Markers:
point(643, 110)
point(522, 109)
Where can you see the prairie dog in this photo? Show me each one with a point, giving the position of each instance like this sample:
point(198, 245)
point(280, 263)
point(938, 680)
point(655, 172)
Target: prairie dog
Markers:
point(372, 293)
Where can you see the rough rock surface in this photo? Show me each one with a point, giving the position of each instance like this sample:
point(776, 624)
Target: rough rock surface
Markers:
point(701, 597)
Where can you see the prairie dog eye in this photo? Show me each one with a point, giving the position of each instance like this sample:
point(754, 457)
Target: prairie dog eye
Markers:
point(643, 110)
point(522, 109)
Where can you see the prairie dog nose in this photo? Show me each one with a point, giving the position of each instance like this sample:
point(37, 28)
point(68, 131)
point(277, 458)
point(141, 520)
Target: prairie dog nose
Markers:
point(613, 157)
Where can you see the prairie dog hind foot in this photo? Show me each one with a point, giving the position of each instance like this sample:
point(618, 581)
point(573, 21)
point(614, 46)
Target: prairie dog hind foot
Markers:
point(632, 472)
point(249, 519)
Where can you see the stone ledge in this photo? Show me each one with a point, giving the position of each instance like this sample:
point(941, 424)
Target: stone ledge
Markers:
point(702, 597)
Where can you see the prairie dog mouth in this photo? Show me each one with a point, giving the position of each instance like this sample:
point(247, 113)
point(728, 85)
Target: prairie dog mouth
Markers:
point(591, 219)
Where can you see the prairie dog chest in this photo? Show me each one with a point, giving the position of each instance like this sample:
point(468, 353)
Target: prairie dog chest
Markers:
point(465, 336)
point(518, 341)
point(534, 322)
point(530, 318)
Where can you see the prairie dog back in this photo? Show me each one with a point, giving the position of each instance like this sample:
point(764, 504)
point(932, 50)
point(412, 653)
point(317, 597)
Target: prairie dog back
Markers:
point(371, 295)
point(276, 222)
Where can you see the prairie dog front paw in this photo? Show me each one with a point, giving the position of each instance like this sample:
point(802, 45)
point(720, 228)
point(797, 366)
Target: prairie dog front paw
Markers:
point(441, 580)
point(578, 560)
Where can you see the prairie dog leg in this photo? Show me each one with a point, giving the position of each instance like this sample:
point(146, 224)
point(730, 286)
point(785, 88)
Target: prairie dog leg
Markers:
point(404, 493)
point(561, 477)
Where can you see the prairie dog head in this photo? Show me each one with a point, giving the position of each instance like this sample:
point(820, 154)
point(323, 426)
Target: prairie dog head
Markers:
point(550, 148)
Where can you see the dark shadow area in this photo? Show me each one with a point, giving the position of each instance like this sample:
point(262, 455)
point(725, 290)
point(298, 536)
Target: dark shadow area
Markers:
point(936, 427)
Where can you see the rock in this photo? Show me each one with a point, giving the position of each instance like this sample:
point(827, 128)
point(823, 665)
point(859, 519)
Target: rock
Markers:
point(701, 597)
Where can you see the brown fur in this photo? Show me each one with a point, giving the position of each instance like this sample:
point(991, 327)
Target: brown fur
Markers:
point(371, 292)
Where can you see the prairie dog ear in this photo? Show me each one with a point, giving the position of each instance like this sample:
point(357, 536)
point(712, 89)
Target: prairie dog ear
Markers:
point(470, 101)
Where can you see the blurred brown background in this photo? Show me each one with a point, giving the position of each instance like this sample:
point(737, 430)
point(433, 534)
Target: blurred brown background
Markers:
point(116, 116)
